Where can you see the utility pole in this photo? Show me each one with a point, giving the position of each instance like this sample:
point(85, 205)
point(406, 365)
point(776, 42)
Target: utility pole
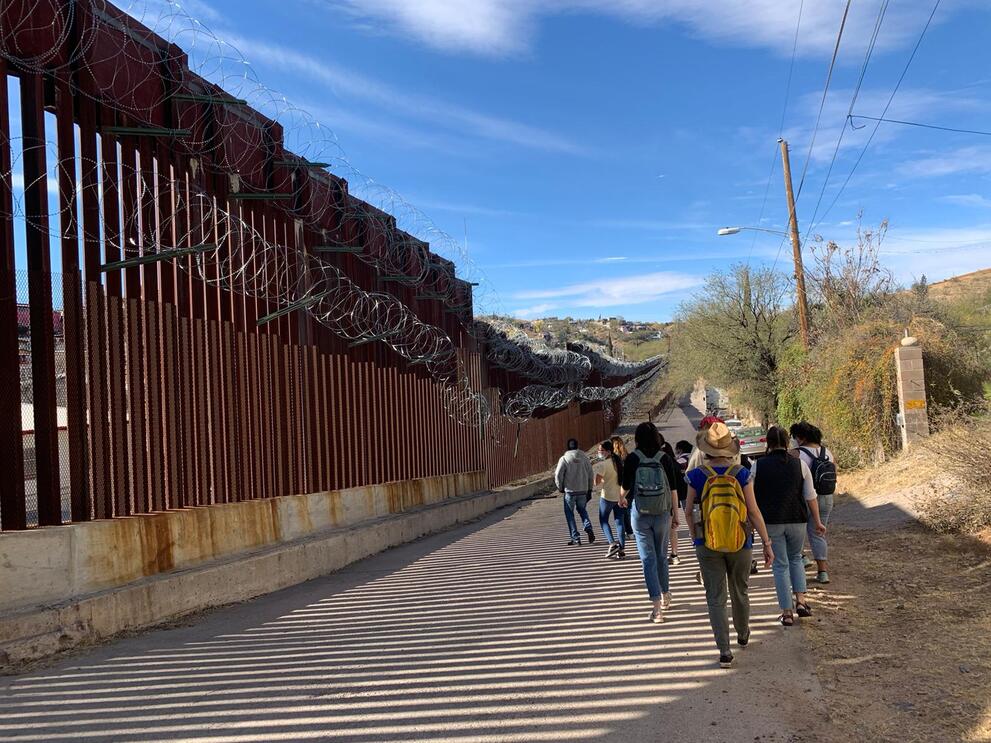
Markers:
point(796, 247)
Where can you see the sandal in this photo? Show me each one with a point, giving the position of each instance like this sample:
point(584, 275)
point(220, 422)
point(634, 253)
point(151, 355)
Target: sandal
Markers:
point(803, 610)
point(787, 620)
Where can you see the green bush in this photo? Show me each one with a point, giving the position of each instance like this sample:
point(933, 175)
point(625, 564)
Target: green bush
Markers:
point(848, 385)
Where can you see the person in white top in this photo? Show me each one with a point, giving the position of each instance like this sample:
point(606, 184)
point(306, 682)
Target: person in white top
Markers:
point(807, 445)
point(607, 474)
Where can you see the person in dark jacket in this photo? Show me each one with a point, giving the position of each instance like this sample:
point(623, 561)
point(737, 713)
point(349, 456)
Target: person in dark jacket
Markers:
point(786, 498)
point(651, 531)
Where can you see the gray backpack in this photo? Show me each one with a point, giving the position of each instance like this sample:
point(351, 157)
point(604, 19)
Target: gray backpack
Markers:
point(651, 488)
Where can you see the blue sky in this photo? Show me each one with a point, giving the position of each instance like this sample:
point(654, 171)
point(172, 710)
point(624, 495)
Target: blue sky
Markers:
point(593, 149)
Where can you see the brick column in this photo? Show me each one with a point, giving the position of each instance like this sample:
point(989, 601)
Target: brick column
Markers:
point(911, 392)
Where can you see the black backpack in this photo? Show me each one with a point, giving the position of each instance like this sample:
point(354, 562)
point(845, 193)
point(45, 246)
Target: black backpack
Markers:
point(823, 471)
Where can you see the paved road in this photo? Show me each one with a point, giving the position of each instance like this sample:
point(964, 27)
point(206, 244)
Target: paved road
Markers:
point(495, 631)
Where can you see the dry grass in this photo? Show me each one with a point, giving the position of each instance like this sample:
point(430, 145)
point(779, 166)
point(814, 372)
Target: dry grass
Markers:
point(960, 502)
point(901, 636)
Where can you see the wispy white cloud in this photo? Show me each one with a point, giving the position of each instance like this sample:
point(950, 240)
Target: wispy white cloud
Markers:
point(972, 159)
point(968, 199)
point(647, 225)
point(536, 311)
point(348, 84)
point(908, 105)
point(609, 292)
point(498, 27)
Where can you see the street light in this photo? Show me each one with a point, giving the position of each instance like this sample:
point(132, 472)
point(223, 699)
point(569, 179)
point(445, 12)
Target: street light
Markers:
point(734, 230)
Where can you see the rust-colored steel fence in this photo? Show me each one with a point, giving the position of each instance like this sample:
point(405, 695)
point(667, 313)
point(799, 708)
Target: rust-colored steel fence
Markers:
point(153, 384)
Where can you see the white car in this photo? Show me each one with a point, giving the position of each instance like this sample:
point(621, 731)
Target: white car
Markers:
point(733, 424)
point(753, 441)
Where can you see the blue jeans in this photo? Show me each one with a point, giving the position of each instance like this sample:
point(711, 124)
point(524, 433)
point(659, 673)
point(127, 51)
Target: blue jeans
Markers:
point(571, 502)
point(607, 507)
point(819, 546)
point(787, 541)
point(653, 533)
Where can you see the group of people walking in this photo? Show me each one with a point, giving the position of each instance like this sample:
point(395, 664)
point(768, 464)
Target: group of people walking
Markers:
point(785, 497)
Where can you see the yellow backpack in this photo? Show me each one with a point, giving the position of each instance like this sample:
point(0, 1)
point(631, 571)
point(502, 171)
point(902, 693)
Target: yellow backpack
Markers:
point(724, 510)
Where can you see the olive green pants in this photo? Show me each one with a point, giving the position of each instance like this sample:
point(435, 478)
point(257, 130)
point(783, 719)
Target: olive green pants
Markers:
point(719, 570)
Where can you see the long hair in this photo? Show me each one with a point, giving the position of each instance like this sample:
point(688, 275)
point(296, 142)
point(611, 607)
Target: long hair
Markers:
point(607, 445)
point(777, 438)
point(646, 438)
point(618, 447)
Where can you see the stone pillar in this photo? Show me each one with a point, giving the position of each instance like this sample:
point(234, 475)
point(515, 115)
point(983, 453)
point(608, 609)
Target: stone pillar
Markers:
point(913, 413)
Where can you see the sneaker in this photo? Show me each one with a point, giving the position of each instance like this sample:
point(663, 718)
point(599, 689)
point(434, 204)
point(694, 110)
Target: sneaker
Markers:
point(753, 567)
point(629, 533)
point(726, 661)
point(574, 542)
point(657, 616)
point(591, 535)
point(674, 560)
point(613, 550)
point(666, 601)
point(822, 577)
point(807, 561)
point(621, 555)
point(743, 640)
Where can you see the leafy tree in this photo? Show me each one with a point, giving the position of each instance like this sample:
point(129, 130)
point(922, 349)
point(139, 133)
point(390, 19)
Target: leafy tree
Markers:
point(734, 332)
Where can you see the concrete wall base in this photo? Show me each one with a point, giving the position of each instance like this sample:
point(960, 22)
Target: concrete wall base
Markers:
point(31, 634)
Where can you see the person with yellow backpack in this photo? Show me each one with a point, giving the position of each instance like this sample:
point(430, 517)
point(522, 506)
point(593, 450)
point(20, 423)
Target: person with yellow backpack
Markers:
point(722, 513)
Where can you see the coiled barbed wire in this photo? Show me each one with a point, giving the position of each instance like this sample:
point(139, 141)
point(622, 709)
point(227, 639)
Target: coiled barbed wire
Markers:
point(221, 112)
point(225, 119)
point(516, 354)
point(608, 366)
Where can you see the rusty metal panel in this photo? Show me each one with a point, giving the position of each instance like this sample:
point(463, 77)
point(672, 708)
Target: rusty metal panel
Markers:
point(206, 492)
point(253, 402)
point(171, 422)
point(154, 379)
point(326, 422)
point(136, 406)
point(345, 444)
point(277, 433)
point(12, 505)
point(40, 298)
point(97, 366)
point(348, 404)
point(247, 454)
point(216, 385)
point(230, 428)
point(187, 415)
point(74, 328)
point(116, 333)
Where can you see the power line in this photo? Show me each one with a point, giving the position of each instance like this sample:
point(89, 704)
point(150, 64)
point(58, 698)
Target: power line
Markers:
point(781, 128)
point(850, 117)
point(822, 103)
point(870, 139)
point(882, 10)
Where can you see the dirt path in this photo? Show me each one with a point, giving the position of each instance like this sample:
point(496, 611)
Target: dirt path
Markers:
point(902, 636)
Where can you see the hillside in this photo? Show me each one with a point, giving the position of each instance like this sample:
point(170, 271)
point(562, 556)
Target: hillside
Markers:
point(971, 284)
point(628, 340)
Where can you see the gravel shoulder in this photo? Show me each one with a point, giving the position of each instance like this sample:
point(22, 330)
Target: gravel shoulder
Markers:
point(902, 635)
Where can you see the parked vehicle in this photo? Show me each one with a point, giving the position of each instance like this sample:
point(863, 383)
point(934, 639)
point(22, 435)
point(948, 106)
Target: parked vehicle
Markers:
point(753, 441)
point(734, 425)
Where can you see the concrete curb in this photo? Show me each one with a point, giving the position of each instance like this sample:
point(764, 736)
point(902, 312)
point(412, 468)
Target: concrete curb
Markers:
point(39, 632)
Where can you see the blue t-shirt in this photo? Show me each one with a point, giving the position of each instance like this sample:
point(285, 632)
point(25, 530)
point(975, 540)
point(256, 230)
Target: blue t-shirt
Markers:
point(697, 477)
